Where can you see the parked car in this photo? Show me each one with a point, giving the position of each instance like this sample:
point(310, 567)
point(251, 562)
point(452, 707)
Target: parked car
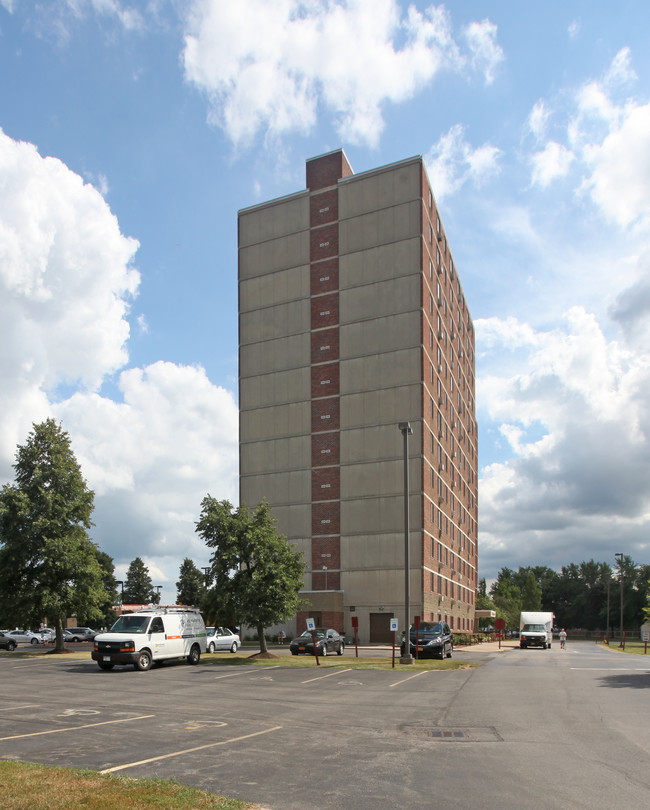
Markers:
point(434, 639)
point(46, 634)
point(327, 640)
point(221, 638)
point(6, 642)
point(79, 634)
point(26, 636)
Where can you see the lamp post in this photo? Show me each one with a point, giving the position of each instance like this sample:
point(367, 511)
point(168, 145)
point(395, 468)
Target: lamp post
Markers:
point(609, 582)
point(619, 558)
point(407, 658)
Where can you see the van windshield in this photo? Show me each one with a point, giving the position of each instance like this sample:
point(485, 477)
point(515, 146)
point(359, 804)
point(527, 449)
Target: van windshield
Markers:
point(131, 624)
point(534, 628)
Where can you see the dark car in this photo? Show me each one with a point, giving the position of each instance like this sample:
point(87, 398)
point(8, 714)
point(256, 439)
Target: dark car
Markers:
point(6, 642)
point(327, 641)
point(434, 639)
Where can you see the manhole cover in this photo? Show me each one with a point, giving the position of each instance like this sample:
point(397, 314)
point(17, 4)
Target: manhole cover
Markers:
point(473, 734)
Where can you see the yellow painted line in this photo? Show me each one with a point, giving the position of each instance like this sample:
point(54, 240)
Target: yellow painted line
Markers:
point(410, 678)
point(76, 728)
point(329, 675)
point(189, 750)
point(248, 672)
point(26, 706)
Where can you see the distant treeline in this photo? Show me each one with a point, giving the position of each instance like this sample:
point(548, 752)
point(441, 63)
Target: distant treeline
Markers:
point(579, 594)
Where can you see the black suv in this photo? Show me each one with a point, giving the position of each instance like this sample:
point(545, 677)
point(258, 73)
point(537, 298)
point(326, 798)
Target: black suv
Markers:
point(434, 639)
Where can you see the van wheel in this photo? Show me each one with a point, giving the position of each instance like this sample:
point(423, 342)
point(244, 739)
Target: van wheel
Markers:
point(195, 655)
point(104, 665)
point(143, 662)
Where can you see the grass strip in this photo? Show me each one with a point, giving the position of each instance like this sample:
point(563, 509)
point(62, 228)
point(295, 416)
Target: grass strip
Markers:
point(27, 786)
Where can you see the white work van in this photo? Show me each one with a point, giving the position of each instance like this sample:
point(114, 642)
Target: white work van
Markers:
point(536, 629)
point(149, 635)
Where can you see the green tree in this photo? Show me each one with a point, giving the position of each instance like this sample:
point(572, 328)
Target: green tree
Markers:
point(531, 594)
point(49, 566)
point(257, 574)
point(190, 588)
point(506, 595)
point(138, 588)
point(646, 608)
point(112, 597)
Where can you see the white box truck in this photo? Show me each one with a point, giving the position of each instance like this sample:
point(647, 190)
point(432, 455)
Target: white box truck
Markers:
point(153, 634)
point(536, 629)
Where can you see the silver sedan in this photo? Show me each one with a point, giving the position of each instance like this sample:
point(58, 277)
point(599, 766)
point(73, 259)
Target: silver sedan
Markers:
point(222, 639)
point(26, 636)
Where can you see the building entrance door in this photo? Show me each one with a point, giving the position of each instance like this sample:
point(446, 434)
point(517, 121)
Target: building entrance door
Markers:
point(380, 628)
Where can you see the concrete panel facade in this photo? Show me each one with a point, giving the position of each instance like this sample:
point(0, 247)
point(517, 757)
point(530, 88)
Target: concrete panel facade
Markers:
point(352, 319)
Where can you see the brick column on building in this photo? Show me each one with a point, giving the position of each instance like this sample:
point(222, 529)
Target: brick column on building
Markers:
point(323, 174)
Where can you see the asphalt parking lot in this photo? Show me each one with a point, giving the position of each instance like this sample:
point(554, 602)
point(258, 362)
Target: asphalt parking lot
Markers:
point(293, 738)
point(214, 726)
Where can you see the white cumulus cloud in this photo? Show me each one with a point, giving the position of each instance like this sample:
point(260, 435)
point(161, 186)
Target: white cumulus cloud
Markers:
point(67, 281)
point(452, 162)
point(574, 409)
point(272, 66)
point(552, 162)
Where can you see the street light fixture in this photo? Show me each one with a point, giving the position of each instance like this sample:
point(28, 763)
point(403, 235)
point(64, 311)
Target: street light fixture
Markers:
point(406, 658)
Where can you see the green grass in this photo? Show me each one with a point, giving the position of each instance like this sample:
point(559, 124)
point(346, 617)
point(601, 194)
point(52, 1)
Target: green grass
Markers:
point(631, 647)
point(26, 786)
point(246, 658)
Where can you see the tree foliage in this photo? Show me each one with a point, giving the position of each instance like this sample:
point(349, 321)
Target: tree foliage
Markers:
point(49, 567)
point(577, 595)
point(257, 574)
point(190, 588)
point(138, 587)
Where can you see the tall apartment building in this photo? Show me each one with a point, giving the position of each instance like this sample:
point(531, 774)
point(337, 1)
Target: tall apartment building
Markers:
point(352, 320)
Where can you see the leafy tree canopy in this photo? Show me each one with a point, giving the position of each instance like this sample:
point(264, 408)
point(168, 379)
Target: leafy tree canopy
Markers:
point(138, 588)
point(49, 567)
point(257, 574)
point(190, 588)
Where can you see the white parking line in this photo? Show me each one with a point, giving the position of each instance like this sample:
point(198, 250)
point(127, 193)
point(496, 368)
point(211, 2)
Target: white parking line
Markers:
point(410, 678)
point(25, 706)
point(329, 675)
point(247, 672)
point(611, 669)
point(76, 728)
point(189, 750)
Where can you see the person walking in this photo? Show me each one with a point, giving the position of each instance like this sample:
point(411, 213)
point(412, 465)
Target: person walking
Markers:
point(563, 639)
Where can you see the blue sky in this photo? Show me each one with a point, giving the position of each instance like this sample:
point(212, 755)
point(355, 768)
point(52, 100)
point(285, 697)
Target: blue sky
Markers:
point(131, 133)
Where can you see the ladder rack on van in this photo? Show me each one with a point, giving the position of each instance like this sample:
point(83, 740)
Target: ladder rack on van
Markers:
point(168, 609)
